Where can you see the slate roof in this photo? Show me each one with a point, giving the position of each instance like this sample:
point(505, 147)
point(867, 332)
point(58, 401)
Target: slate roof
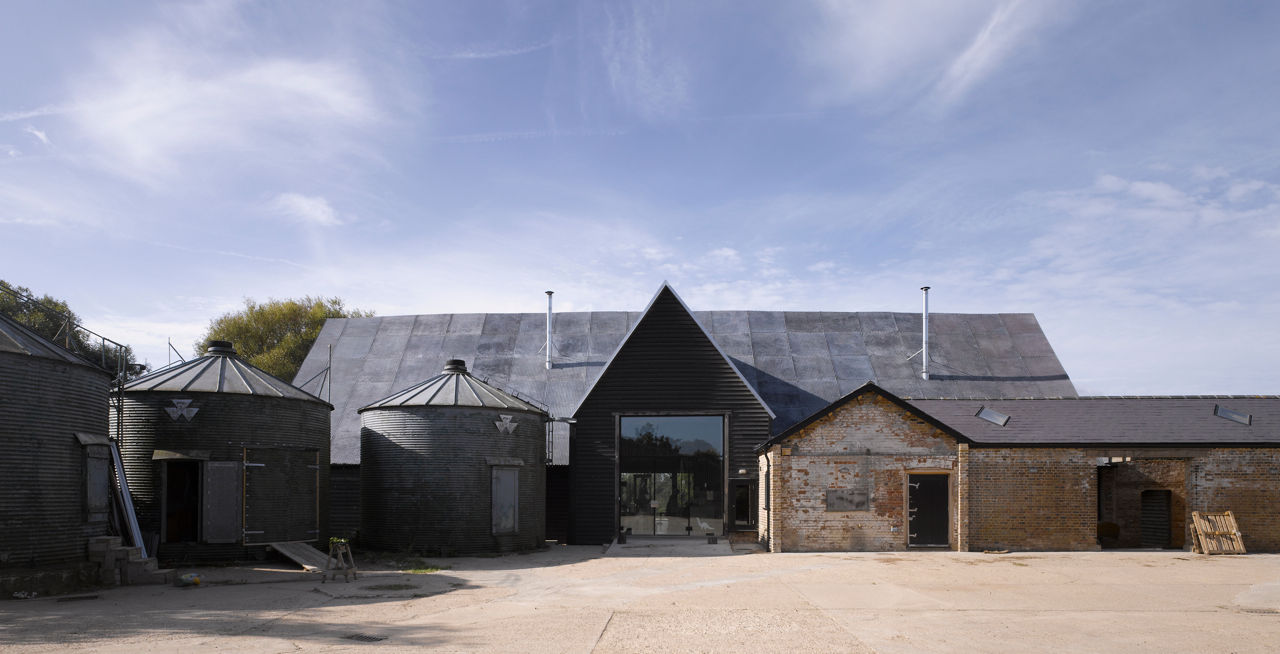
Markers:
point(1113, 421)
point(218, 371)
point(796, 361)
point(16, 338)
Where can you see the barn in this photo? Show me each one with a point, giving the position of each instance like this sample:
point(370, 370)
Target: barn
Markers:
point(874, 471)
point(668, 403)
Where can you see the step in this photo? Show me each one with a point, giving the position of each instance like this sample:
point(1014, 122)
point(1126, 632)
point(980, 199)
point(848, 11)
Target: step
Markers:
point(142, 571)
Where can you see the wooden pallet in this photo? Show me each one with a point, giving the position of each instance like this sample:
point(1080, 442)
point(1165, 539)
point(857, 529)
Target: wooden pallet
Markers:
point(1215, 533)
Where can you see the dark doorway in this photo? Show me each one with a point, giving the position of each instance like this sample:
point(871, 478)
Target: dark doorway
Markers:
point(927, 521)
point(1155, 518)
point(742, 504)
point(182, 502)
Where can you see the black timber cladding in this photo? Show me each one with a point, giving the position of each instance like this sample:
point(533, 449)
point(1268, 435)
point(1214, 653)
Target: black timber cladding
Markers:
point(798, 362)
point(667, 365)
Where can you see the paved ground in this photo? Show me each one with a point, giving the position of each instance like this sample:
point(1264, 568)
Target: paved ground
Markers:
point(658, 597)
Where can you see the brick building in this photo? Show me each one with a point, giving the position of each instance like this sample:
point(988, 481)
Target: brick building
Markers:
point(873, 471)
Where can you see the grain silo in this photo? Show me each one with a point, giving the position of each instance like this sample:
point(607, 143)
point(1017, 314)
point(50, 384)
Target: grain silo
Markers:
point(222, 457)
point(452, 465)
point(55, 465)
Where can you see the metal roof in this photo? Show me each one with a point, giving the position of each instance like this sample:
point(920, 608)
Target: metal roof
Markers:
point(18, 339)
point(1112, 421)
point(454, 386)
point(218, 371)
point(796, 361)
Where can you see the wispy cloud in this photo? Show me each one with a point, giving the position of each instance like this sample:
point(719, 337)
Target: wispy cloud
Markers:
point(163, 97)
point(495, 52)
point(10, 150)
point(650, 79)
point(49, 110)
point(883, 53)
point(40, 135)
point(1008, 26)
point(499, 137)
point(305, 209)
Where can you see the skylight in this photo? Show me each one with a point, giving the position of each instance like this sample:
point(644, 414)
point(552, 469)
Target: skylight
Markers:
point(1234, 416)
point(992, 416)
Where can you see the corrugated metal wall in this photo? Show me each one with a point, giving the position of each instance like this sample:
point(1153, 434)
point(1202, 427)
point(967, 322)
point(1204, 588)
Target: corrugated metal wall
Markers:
point(425, 479)
point(43, 403)
point(670, 366)
point(223, 427)
point(344, 500)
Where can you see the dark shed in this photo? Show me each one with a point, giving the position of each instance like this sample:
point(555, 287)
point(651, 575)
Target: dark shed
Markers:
point(221, 456)
point(54, 459)
point(453, 466)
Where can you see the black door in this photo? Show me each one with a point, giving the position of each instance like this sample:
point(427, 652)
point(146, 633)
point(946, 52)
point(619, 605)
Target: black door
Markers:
point(742, 504)
point(927, 510)
point(1155, 518)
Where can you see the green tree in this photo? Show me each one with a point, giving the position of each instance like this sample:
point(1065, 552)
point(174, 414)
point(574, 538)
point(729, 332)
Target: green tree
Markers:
point(277, 334)
point(53, 319)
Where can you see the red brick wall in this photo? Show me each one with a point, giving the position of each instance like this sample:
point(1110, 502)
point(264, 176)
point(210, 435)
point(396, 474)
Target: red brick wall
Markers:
point(1031, 499)
point(1245, 481)
point(869, 443)
point(1123, 504)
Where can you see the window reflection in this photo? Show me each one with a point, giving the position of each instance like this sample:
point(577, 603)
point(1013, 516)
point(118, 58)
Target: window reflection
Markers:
point(671, 475)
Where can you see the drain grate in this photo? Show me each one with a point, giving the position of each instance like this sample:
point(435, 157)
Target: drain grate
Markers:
point(365, 638)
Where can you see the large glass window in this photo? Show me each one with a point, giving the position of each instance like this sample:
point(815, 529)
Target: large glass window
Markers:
point(671, 480)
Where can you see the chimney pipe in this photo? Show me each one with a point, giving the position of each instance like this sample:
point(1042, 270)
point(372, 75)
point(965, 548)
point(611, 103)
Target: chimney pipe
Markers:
point(924, 331)
point(549, 293)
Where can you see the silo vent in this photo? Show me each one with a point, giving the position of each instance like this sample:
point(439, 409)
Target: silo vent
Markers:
point(454, 365)
point(223, 348)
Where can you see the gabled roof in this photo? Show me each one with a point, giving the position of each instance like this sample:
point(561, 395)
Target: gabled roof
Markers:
point(218, 371)
point(797, 362)
point(869, 388)
point(1114, 421)
point(666, 288)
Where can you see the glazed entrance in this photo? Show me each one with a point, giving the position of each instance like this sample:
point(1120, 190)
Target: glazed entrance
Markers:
point(671, 475)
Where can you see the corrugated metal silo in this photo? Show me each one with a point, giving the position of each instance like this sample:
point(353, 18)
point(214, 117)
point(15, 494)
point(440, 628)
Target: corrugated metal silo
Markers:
point(54, 460)
point(222, 456)
point(453, 466)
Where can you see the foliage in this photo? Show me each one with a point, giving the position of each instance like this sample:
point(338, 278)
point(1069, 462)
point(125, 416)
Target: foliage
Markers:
point(53, 319)
point(277, 334)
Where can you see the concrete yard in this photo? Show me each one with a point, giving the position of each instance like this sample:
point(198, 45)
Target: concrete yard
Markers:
point(660, 596)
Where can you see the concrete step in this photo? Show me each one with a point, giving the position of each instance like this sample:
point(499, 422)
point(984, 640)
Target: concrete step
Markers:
point(144, 571)
point(99, 546)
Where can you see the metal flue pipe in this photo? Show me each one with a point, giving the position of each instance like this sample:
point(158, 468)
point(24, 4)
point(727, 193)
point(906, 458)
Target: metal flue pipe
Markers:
point(549, 294)
point(924, 331)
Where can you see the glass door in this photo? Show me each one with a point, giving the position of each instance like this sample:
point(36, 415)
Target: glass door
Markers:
point(670, 475)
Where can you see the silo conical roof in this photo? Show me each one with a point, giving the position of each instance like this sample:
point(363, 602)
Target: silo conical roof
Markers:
point(19, 339)
point(218, 371)
point(454, 386)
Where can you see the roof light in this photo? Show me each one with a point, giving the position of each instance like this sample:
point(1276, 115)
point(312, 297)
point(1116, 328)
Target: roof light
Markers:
point(1234, 416)
point(992, 416)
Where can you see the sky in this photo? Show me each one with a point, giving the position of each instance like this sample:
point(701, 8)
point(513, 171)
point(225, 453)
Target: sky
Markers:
point(1113, 168)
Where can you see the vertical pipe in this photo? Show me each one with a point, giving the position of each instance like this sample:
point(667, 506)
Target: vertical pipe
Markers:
point(328, 376)
point(549, 293)
point(924, 350)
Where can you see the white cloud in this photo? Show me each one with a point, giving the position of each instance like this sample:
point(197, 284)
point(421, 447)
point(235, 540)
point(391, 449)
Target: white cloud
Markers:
point(305, 209)
point(1007, 27)
point(1240, 191)
point(171, 93)
point(888, 51)
point(10, 150)
point(43, 138)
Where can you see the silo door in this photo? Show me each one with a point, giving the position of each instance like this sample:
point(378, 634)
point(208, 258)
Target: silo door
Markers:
point(281, 495)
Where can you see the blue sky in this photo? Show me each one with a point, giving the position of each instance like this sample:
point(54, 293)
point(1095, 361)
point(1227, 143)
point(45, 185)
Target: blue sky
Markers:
point(1111, 167)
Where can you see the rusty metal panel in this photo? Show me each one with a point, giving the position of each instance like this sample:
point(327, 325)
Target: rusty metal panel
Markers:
point(221, 508)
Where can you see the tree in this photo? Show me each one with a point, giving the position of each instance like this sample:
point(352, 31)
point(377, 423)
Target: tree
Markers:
point(53, 319)
point(277, 334)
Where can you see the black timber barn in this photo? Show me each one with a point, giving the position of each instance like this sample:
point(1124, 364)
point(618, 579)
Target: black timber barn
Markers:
point(669, 403)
